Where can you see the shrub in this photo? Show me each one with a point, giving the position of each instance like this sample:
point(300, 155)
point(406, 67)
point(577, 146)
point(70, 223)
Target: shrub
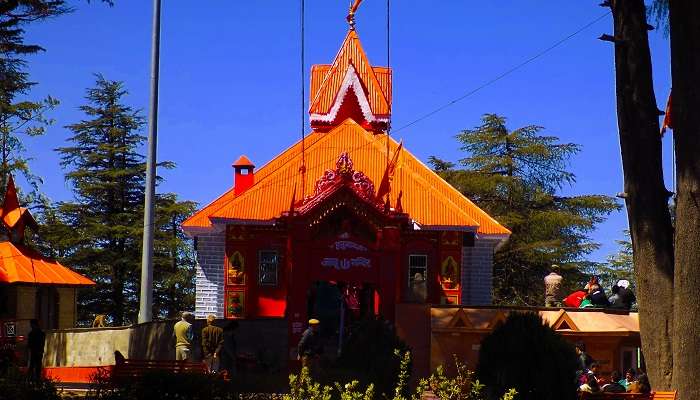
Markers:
point(369, 354)
point(164, 385)
point(14, 385)
point(526, 354)
point(463, 386)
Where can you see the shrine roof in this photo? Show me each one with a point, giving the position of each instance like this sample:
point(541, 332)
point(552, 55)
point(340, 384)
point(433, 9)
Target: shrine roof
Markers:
point(430, 201)
point(20, 264)
point(563, 320)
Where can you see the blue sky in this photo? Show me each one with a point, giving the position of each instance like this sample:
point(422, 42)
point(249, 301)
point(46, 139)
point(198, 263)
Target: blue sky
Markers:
point(230, 79)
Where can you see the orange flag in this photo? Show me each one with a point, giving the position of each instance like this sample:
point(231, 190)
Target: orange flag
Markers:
point(385, 185)
point(294, 198)
point(668, 122)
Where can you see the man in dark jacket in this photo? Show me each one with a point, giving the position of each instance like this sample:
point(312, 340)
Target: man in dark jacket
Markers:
point(584, 361)
point(212, 341)
point(310, 347)
point(35, 343)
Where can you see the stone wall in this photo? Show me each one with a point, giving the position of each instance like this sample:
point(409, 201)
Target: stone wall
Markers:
point(477, 272)
point(265, 339)
point(209, 278)
point(66, 307)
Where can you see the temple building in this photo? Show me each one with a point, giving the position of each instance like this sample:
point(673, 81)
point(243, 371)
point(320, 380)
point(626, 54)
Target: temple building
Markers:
point(31, 286)
point(347, 212)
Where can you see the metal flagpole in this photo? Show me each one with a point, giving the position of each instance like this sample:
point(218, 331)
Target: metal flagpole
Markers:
point(146, 298)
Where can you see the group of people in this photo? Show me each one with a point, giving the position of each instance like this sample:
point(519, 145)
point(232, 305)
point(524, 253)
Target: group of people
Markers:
point(592, 295)
point(591, 380)
point(218, 344)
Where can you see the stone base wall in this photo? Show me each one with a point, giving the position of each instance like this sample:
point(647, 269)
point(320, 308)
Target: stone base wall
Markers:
point(477, 272)
point(265, 339)
point(209, 278)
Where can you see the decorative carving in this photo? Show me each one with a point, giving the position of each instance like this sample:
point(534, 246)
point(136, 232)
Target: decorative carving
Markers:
point(344, 174)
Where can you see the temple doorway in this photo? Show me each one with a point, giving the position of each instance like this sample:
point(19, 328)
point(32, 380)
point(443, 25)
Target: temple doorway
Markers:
point(339, 306)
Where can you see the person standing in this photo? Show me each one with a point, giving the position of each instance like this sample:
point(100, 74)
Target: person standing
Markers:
point(183, 333)
point(310, 347)
point(584, 362)
point(227, 357)
point(552, 288)
point(35, 342)
point(212, 342)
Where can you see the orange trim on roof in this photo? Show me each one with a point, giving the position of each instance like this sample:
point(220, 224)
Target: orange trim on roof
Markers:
point(20, 264)
point(427, 198)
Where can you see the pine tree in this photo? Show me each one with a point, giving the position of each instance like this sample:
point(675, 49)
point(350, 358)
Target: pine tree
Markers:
point(20, 117)
point(100, 232)
point(516, 176)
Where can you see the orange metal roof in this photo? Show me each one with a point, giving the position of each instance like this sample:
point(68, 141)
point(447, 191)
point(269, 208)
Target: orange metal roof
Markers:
point(326, 81)
point(19, 264)
point(243, 161)
point(427, 198)
point(584, 320)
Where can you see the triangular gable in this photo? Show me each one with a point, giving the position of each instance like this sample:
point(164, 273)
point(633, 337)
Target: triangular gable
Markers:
point(564, 322)
point(351, 56)
point(498, 319)
point(460, 320)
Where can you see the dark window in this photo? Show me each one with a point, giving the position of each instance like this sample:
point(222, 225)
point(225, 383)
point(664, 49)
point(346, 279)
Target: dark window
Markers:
point(418, 277)
point(268, 266)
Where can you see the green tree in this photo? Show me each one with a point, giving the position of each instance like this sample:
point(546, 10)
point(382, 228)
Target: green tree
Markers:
point(99, 233)
point(619, 265)
point(516, 177)
point(20, 117)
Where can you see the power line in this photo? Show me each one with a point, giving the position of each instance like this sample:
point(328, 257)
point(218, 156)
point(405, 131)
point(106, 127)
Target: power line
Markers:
point(504, 74)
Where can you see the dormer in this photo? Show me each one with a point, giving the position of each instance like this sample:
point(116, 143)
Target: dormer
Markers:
point(350, 88)
point(243, 175)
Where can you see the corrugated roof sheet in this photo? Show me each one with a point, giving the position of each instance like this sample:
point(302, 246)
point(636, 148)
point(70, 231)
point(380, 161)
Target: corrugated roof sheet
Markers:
point(427, 198)
point(19, 264)
point(585, 320)
point(327, 81)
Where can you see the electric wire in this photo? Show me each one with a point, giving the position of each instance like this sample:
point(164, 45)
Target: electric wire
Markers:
point(503, 74)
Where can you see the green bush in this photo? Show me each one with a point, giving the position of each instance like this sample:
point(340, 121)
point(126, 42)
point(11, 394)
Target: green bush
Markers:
point(526, 354)
point(369, 354)
point(15, 386)
point(463, 386)
point(164, 385)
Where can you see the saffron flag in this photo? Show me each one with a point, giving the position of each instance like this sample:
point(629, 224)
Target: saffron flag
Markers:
point(668, 122)
point(385, 185)
point(294, 198)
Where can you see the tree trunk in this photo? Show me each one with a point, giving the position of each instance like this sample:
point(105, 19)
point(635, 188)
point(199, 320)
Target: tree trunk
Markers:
point(646, 196)
point(685, 68)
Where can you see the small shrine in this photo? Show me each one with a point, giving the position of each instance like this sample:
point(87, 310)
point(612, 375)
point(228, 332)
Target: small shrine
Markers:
point(31, 285)
point(344, 224)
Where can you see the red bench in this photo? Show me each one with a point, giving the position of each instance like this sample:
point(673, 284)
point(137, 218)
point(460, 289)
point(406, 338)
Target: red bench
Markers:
point(134, 369)
point(629, 396)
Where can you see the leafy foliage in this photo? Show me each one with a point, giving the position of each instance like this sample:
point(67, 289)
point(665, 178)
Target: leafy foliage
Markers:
point(14, 385)
point(516, 177)
point(619, 265)
point(100, 232)
point(370, 351)
point(526, 354)
point(463, 386)
point(163, 385)
point(20, 117)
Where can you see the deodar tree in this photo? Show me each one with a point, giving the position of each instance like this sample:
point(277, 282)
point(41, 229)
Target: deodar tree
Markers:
point(667, 262)
point(517, 176)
